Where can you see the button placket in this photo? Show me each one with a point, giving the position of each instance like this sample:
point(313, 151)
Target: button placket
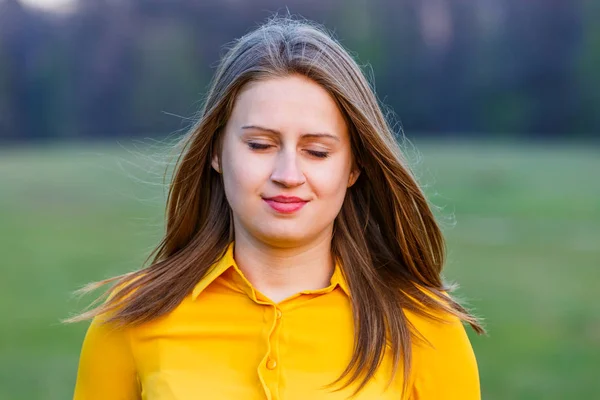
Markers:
point(273, 361)
point(268, 370)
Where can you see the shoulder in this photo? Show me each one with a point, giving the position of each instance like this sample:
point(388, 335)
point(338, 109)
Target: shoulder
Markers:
point(443, 362)
point(116, 298)
point(438, 332)
point(433, 323)
point(437, 329)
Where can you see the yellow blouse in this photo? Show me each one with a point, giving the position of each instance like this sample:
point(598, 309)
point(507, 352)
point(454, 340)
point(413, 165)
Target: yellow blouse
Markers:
point(227, 341)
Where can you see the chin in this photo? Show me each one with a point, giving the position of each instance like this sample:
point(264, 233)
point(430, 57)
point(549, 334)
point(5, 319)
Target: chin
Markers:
point(282, 237)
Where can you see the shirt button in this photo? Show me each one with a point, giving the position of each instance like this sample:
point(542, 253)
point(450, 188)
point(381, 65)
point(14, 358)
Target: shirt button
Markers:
point(278, 314)
point(271, 364)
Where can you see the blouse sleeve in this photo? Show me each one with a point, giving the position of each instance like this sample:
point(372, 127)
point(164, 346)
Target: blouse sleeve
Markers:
point(445, 368)
point(106, 366)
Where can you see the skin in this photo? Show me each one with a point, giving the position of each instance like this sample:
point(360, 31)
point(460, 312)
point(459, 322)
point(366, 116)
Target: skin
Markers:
point(285, 136)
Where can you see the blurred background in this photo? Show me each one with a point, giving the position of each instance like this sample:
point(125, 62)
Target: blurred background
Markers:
point(500, 100)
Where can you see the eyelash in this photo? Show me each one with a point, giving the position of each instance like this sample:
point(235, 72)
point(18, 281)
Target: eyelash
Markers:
point(260, 146)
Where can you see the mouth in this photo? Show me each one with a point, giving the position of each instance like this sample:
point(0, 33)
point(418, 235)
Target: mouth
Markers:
point(285, 204)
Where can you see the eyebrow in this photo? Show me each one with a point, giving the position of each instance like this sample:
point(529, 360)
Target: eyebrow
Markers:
point(305, 135)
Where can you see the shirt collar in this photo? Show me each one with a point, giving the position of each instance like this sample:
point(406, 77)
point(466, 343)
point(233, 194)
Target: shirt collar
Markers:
point(227, 261)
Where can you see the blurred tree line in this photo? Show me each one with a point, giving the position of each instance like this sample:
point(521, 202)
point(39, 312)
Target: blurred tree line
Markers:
point(113, 68)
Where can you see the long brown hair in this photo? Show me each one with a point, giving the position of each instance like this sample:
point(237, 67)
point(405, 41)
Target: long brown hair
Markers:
point(386, 238)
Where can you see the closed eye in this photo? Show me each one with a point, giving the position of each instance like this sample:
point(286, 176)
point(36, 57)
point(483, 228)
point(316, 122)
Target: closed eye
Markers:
point(263, 146)
point(258, 146)
point(318, 154)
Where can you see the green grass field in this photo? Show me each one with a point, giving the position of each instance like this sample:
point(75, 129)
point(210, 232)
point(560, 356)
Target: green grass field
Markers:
point(523, 230)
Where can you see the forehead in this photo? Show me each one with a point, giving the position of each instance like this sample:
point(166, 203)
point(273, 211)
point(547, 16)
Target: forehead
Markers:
point(293, 104)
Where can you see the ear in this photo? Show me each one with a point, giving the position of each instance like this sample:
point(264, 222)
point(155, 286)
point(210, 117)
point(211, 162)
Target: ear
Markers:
point(354, 174)
point(215, 163)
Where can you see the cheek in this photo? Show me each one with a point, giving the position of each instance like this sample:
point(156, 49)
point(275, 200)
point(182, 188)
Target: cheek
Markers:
point(330, 183)
point(244, 177)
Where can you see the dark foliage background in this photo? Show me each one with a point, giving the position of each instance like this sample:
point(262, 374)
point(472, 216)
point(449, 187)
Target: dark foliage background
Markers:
point(447, 67)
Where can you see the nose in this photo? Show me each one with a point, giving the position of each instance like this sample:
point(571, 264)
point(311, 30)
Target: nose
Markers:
point(286, 171)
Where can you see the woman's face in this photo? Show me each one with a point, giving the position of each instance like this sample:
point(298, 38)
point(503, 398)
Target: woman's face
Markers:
point(286, 162)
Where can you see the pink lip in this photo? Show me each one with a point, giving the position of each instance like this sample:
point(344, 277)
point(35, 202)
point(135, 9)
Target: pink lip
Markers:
point(285, 204)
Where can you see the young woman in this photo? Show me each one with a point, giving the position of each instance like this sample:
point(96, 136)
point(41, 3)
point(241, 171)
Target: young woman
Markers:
point(301, 259)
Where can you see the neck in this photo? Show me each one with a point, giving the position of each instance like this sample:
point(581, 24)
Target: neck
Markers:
point(279, 272)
